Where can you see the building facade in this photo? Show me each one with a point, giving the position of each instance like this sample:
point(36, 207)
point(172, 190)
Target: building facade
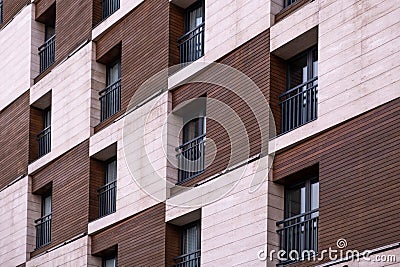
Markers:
point(187, 133)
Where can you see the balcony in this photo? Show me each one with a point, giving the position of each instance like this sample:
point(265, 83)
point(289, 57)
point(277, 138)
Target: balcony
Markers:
point(47, 53)
point(299, 105)
point(191, 44)
point(191, 158)
point(107, 198)
point(110, 100)
point(44, 140)
point(188, 260)
point(299, 233)
point(109, 7)
point(43, 231)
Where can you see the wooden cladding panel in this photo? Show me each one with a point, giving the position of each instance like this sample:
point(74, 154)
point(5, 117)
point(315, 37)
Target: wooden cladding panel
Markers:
point(73, 26)
point(278, 86)
point(172, 244)
point(358, 173)
point(97, 12)
point(11, 8)
point(97, 174)
point(14, 124)
point(253, 59)
point(41, 7)
point(144, 47)
point(291, 9)
point(69, 175)
point(176, 30)
point(140, 239)
point(36, 125)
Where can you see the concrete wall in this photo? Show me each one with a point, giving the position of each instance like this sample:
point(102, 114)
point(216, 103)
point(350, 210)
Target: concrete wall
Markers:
point(76, 253)
point(140, 146)
point(358, 44)
point(16, 42)
point(19, 209)
point(70, 84)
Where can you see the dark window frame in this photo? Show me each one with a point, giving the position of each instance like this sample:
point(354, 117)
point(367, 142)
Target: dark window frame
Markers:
point(187, 226)
point(108, 70)
point(1, 11)
point(308, 194)
point(309, 53)
point(192, 7)
point(110, 257)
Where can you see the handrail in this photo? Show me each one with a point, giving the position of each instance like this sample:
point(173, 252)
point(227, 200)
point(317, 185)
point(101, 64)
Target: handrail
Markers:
point(110, 86)
point(43, 132)
point(298, 86)
point(191, 141)
point(297, 216)
point(190, 32)
point(187, 254)
point(47, 42)
point(111, 185)
point(43, 219)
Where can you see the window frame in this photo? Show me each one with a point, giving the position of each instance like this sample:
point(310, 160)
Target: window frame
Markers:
point(191, 8)
point(108, 71)
point(184, 228)
point(309, 54)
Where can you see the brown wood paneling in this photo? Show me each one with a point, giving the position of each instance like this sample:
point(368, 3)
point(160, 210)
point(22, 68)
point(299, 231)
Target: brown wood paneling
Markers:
point(69, 175)
point(359, 178)
point(172, 244)
point(97, 12)
point(73, 26)
point(145, 46)
point(291, 9)
point(14, 136)
point(176, 30)
point(253, 59)
point(36, 125)
point(11, 8)
point(97, 174)
point(140, 239)
point(278, 86)
point(43, 6)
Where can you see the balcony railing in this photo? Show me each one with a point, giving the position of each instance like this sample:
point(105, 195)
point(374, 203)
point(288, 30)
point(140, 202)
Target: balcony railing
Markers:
point(191, 158)
point(1, 11)
point(107, 198)
point(299, 233)
point(43, 231)
point(191, 44)
point(44, 140)
point(109, 7)
point(299, 105)
point(110, 100)
point(47, 53)
point(188, 260)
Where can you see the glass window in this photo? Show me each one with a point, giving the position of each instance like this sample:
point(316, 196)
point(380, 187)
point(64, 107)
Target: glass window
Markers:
point(110, 262)
point(113, 72)
point(191, 239)
point(111, 171)
point(194, 16)
point(46, 206)
point(302, 198)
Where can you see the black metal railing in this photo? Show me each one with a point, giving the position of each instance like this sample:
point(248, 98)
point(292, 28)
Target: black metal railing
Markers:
point(289, 2)
point(299, 233)
point(191, 44)
point(107, 198)
point(191, 158)
point(43, 231)
point(110, 100)
point(109, 7)
point(299, 105)
point(47, 53)
point(188, 260)
point(1, 11)
point(44, 140)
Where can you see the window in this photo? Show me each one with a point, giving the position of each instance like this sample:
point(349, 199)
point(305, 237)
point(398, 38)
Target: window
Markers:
point(47, 51)
point(110, 97)
point(289, 2)
point(109, 7)
point(43, 224)
point(44, 137)
point(190, 246)
point(1, 11)
point(299, 230)
point(109, 261)
point(107, 193)
point(191, 159)
point(191, 44)
point(300, 101)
